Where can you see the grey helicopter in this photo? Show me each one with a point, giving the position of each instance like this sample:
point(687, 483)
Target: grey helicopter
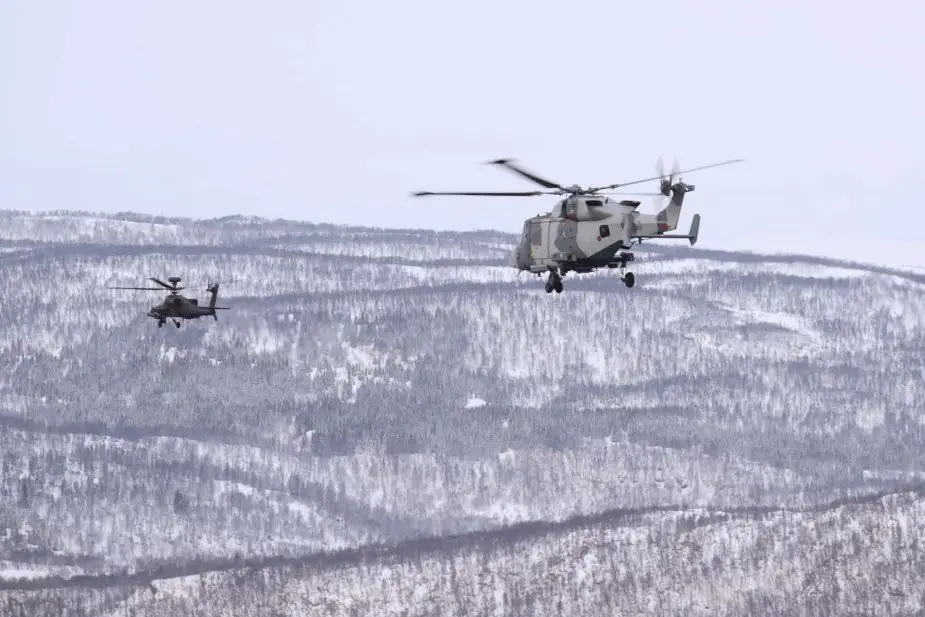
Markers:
point(586, 230)
point(176, 306)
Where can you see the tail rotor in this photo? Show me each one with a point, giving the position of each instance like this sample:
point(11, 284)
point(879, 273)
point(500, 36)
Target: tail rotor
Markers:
point(212, 288)
point(665, 183)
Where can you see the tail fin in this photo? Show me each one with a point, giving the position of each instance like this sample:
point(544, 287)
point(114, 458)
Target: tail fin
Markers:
point(695, 230)
point(668, 217)
point(213, 289)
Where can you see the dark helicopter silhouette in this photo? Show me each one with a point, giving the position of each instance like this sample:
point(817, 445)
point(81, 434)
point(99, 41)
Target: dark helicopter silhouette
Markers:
point(176, 306)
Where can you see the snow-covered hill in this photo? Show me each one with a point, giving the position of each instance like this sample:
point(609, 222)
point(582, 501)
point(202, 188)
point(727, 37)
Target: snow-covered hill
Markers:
point(859, 558)
point(376, 386)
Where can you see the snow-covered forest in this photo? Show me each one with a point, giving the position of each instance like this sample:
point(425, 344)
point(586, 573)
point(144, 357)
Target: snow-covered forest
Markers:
point(858, 558)
point(378, 387)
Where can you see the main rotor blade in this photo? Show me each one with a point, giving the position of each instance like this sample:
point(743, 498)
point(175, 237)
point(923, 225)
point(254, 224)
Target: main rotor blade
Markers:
point(139, 288)
point(162, 284)
point(627, 193)
point(477, 194)
point(166, 286)
point(508, 163)
point(686, 171)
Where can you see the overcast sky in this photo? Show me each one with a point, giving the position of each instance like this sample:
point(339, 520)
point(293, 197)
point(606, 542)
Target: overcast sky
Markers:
point(334, 110)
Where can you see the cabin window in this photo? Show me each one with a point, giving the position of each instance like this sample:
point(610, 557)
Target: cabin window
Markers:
point(604, 231)
point(594, 202)
point(536, 234)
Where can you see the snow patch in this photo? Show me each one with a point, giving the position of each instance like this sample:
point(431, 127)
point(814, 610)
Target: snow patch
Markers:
point(812, 271)
point(475, 402)
point(535, 398)
point(309, 514)
point(870, 416)
point(597, 363)
point(181, 586)
point(263, 341)
point(168, 354)
point(694, 267)
point(10, 572)
point(751, 316)
point(360, 356)
point(224, 486)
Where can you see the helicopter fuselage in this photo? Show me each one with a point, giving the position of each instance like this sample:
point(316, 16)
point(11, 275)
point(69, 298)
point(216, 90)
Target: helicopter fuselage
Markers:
point(176, 307)
point(582, 234)
point(180, 308)
point(587, 231)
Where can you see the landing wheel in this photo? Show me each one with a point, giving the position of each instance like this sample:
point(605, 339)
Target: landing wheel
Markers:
point(177, 323)
point(160, 324)
point(554, 282)
point(629, 279)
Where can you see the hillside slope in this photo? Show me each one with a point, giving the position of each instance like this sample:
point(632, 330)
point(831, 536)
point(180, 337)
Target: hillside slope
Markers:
point(862, 558)
point(377, 386)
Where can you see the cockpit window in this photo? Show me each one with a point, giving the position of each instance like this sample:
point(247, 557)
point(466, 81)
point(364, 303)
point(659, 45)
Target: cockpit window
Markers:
point(536, 234)
point(594, 202)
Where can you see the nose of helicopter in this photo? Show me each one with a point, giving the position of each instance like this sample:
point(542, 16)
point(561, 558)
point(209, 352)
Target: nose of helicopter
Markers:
point(511, 261)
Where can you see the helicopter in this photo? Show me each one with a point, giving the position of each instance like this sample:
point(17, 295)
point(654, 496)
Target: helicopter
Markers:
point(586, 231)
point(176, 306)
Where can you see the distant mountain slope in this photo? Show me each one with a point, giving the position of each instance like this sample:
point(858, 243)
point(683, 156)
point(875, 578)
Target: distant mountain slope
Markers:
point(379, 385)
point(80, 503)
point(313, 338)
point(859, 558)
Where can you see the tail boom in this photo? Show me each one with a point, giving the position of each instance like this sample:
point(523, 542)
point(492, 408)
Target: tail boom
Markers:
point(667, 218)
point(691, 236)
point(213, 310)
point(213, 289)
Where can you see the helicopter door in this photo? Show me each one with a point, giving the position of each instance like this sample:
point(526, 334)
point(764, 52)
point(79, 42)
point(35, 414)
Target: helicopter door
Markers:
point(539, 239)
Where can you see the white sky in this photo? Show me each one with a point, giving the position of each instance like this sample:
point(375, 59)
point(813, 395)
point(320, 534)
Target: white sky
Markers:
point(334, 110)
